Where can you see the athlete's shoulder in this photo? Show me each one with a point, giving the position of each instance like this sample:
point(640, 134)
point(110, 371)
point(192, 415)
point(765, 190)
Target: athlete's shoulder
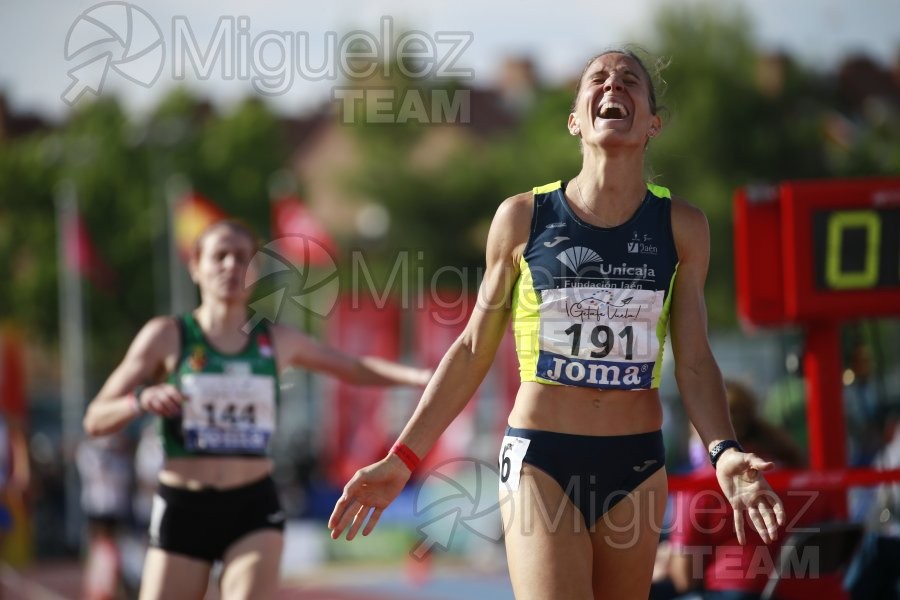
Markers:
point(685, 214)
point(514, 213)
point(511, 227)
point(161, 328)
point(521, 206)
point(158, 338)
point(516, 206)
point(690, 228)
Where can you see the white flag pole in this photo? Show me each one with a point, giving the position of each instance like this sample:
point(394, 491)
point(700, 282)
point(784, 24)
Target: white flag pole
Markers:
point(72, 344)
point(182, 293)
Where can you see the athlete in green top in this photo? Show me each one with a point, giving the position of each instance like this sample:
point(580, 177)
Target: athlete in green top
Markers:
point(215, 388)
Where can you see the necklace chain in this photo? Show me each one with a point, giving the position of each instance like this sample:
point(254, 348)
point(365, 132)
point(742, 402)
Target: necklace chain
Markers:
point(583, 204)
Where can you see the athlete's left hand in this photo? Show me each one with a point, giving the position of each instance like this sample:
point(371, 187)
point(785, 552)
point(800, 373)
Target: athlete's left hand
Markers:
point(746, 489)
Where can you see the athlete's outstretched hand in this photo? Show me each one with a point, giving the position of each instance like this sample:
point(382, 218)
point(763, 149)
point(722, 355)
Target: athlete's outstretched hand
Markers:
point(747, 490)
point(372, 489)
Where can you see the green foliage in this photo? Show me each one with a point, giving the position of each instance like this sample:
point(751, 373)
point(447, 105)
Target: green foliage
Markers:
point(726, 130)
point(119, 170)
point(446, 211)
point(27, 235)
point(726, 126)
point(723, 130)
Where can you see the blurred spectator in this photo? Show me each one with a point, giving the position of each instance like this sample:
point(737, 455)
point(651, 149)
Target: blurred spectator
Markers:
point(755, 433)
point(875, 572)
point(15, 472)
point(15, 467)
point(785, 404)
point(861, 407)
point(104, 466)
point(148, 460)
point(704, 552)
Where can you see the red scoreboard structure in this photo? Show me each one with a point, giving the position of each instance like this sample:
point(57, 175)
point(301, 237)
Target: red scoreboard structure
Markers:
point(817, 254)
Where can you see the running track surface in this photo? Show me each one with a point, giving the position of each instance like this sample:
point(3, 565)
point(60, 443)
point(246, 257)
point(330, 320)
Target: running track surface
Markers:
point(62, 581)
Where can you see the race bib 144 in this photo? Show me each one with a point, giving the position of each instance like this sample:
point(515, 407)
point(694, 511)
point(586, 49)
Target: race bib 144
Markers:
point(228, 413)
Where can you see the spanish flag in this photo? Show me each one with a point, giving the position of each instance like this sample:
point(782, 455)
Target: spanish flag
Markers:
point(192, 215)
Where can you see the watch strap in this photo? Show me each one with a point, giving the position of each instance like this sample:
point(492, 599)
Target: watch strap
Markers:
point(721, 447)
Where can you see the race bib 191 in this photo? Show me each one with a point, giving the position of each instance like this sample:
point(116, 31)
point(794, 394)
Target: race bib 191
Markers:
point(599, 337)
point(228, 413)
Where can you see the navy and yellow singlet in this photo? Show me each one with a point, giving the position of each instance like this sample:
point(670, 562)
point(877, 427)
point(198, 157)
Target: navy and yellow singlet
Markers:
point(232, 398)
point(591, 306)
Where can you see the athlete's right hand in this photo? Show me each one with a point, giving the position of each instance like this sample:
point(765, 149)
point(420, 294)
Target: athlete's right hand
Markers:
point(373, 488)
point(163, 399)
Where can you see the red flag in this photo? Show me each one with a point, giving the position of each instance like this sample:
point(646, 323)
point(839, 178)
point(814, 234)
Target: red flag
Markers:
point(301, 235)
point(12, 373)
point(439, 320)
point(82, 256)
point(357, 422)
point(193, 214)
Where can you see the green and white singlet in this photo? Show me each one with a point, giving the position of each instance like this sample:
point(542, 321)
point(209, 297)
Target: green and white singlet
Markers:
point(232, 399)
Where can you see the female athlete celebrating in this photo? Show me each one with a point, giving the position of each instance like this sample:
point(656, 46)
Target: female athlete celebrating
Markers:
point(593, 272)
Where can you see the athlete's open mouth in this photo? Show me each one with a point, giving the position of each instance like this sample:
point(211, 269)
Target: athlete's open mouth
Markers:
point(611, 110)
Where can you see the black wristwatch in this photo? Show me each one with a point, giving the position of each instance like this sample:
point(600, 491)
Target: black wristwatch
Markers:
point(721, 447)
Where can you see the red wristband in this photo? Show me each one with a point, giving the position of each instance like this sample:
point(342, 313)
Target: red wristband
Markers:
point(408, 457)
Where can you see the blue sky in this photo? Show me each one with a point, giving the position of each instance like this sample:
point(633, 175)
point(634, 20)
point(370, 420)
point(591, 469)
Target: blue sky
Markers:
point(557, 35)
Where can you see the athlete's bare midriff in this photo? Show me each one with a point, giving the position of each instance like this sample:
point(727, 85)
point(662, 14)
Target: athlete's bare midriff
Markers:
point(585, 411)
point(217, 472)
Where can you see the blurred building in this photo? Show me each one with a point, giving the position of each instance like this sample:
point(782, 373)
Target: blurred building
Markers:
point(861, 82)
point(325, 148)
point(14, 125)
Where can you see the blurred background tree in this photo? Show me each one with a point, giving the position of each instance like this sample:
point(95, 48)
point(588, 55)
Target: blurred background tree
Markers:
point(119, 169)
point(734, 116)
